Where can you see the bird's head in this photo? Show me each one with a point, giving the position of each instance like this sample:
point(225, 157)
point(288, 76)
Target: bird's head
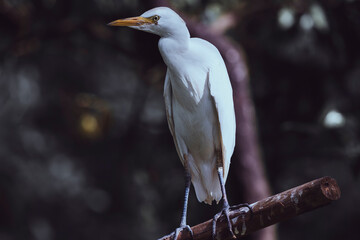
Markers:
point(161, 21)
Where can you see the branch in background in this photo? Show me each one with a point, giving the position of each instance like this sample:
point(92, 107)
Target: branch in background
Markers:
point(271, 210)
point(224, 23)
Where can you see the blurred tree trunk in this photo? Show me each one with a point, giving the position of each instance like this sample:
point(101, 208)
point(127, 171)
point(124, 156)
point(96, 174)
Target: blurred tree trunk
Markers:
point(246, 158)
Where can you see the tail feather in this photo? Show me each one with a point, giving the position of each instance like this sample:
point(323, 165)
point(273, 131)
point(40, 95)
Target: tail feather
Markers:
point(206, 183)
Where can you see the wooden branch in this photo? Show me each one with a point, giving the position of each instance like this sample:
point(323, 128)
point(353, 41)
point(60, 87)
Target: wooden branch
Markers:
point(271, 210)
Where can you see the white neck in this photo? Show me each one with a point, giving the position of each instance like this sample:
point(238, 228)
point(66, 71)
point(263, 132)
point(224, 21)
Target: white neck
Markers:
point(173, 45)
point(174, 42)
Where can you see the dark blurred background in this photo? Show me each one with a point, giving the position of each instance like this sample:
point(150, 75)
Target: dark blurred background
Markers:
point(85, 150)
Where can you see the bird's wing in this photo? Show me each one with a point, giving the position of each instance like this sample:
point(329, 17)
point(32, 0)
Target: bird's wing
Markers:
point(169, 111)
point(221, 93)
point(168, 102)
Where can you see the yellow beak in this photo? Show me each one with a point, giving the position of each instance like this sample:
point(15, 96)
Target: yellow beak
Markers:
point(133, 21)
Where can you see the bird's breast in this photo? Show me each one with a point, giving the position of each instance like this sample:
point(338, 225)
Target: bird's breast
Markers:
point(189, 85)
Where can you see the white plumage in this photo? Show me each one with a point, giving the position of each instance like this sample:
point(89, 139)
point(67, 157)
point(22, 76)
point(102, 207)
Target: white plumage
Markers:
point(200, 111)
point(199, 102)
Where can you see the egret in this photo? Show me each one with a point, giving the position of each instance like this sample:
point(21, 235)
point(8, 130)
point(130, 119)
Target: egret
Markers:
point(199, 106)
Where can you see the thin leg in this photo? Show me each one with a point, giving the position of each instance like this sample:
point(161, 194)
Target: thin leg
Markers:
point(183, 224)
point(186, 197)
point(226, 206)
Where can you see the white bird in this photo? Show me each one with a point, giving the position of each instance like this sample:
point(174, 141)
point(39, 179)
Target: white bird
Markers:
point(199, 106)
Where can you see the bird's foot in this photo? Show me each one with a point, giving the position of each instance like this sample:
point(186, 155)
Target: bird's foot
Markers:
point(226, 212)
point(180, 229)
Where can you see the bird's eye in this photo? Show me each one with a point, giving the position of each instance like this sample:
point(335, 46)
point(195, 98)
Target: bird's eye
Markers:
point(155, 18)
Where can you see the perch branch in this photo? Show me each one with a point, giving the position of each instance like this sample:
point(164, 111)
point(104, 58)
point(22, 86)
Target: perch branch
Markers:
point(271, 210)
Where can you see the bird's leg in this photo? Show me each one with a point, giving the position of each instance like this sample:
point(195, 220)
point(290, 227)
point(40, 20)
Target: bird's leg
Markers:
point(183, 224)
point(226, 206)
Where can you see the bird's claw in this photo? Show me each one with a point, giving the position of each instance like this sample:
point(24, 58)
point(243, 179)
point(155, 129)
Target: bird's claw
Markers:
point(225, 211)
point(241, 206)
point(180, 229)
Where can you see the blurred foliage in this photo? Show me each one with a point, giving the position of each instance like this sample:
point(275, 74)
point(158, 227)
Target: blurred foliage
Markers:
point(85, 151)
point(304, 61)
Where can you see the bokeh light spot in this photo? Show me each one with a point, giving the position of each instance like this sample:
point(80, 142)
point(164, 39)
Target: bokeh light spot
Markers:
point(89, 124)
point(334, 119)
point(286, 18)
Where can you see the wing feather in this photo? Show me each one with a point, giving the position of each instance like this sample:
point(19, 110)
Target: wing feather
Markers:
point(222, 95)
point(168, 93)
